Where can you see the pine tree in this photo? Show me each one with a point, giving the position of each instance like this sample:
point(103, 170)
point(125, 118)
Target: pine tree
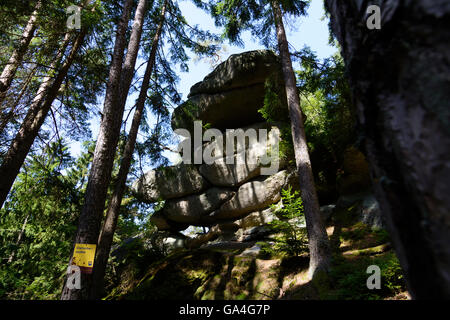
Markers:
point(112, 214)
point(173, 32)
point(48, 89)
point(38, 222)
point(36, 115)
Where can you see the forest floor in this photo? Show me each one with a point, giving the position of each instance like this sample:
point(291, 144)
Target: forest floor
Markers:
point(229, 272)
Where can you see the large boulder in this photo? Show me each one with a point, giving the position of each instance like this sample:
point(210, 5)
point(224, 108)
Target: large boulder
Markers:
point(257, 218)
point(245, 164)
point(160, 241)
point(253, 219)
point(370, 213)
point(235, 87)
point(194, 209)
point(367, 208)
point(255, 195)
point(239, 70)
point(239, 139)
point(164, 224)
point(169, 183)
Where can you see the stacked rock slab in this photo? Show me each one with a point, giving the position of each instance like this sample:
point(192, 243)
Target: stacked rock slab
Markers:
point(220, 193)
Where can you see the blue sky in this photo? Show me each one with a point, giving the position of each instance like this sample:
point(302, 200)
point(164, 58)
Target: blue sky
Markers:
point(311, 31)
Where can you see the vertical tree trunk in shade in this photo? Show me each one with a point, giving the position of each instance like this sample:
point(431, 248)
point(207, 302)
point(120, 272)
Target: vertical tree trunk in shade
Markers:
point(109, 227)
point(319, 248)
point(400, 79)
point(36, 115)
point(16, 58)
point(100, 175)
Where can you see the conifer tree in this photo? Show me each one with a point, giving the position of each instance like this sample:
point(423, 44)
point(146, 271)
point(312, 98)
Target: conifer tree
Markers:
point(100, 174)
point(41, 103)
point(173, 32)
point(112, 214)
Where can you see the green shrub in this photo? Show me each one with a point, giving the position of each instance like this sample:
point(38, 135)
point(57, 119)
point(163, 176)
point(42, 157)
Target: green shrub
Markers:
point(291, 237)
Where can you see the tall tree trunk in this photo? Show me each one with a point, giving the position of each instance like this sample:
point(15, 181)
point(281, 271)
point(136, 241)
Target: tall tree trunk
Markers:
point(132, 53)
point(106, 236)
point(36, 115)
point(6, 118)
point(399, 76)
point(15, 60)
point(120, 77)
point(319, 248)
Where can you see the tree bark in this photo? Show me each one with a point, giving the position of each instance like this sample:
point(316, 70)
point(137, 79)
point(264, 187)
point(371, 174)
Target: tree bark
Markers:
point(399, 76)
point(132, 52)
point(36, 115)
point(15, 60)
point(319, 248)
point(106, 236)
point(120, 77)
point(7, 116)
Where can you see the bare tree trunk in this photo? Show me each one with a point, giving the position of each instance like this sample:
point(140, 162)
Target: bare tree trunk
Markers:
point(106, 236)
point(36, 115)
point(399, 76)
point(6, 118)
point(120, 77)
point(319, 249)
point(132, 53)
point(15, 60)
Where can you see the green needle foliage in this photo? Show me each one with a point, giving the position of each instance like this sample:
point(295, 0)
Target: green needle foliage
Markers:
point(38, 222)
point(291, 236)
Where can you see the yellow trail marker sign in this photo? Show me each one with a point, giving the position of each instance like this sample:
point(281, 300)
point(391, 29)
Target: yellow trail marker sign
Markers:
point(84, 255)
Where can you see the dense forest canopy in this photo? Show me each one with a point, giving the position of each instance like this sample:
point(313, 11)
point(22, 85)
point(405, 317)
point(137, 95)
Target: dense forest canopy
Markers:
point(91, 95)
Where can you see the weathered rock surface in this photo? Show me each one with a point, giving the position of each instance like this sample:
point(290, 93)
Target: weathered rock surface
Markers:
point(164, 224)
point(252, 234)
point(221, 110)
point(218, 191)
point(254, 195)
point(160, 221)
point(327, 211)
point(238, 71)
point(370, 213)
point(246, 163)
point(194, 209)
point(235, 87)
point(256, 218)
point(367, 210)
point(168, 183)
point(160, 241)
